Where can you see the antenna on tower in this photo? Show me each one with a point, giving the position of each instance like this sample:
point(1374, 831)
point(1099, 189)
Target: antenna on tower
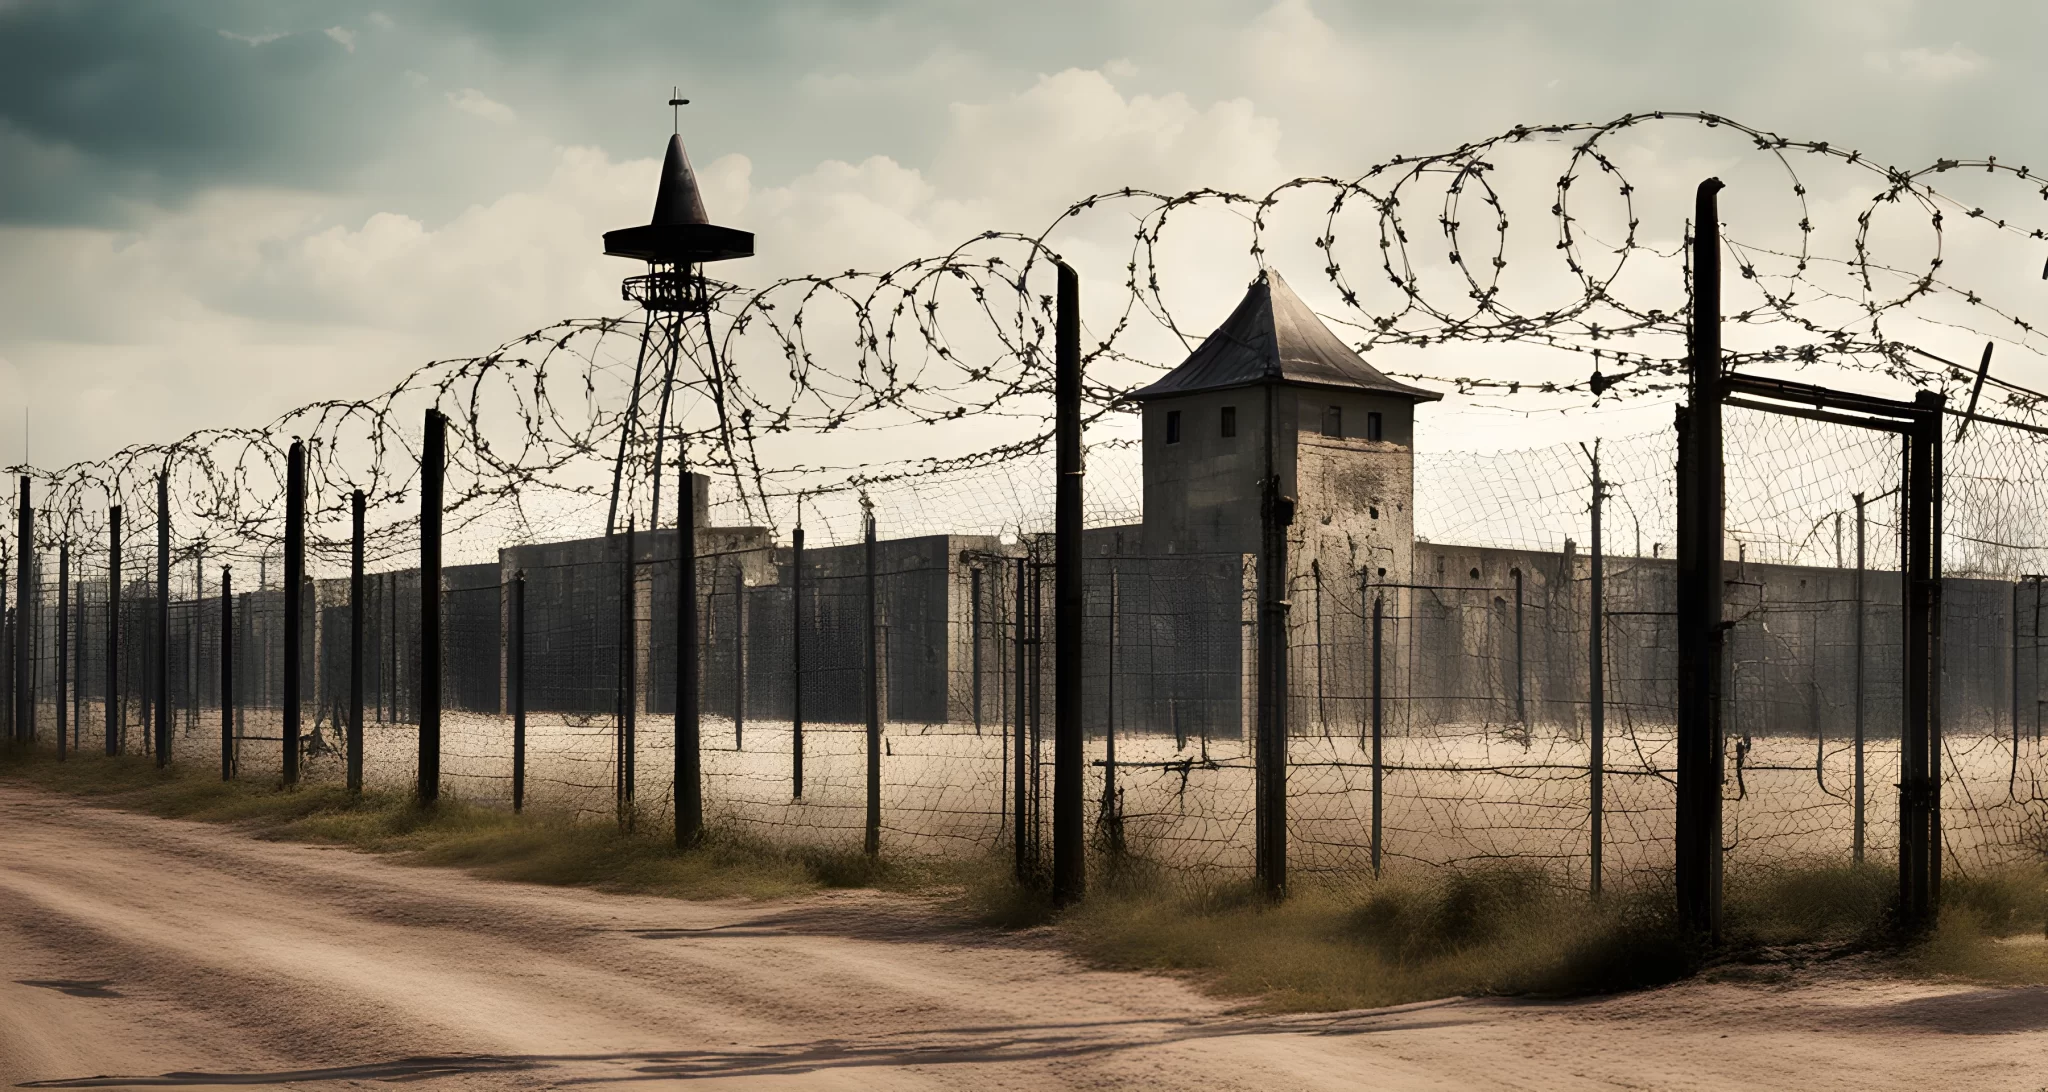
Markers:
point(676, 102)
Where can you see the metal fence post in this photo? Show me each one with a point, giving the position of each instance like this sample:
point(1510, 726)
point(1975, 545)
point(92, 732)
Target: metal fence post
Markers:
point(1521, 670)
point(1700, 544)
point(1069, 748)
point(871, 840)
point(517, 687)
point(1596, 685)
point(1920, 765)
point(294, 602)
point(628, 691)
point(24, 549)
point(357, 604)
point(63, 646)
point(111, 702)
point(1379, 610)
point(1020, 822)
point(974, 643)
point(227, 674)
point(433, 468)
point(1270, 745)
point(689, 770)
point(77, 665)
point(739, 653)
point(1856, 844)
point(1112, 820)
point(796, 663)
point(162, 644)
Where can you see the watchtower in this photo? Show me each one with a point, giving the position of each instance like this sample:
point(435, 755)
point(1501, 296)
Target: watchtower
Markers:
point(676, 243)
point(1274, 392)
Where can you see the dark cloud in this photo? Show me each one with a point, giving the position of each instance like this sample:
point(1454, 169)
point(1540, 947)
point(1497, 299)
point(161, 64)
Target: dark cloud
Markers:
point(104, 103)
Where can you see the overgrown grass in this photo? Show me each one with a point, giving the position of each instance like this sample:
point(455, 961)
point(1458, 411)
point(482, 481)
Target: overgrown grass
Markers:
point(531, 848)
point(1333, 944)
point(1504, 930)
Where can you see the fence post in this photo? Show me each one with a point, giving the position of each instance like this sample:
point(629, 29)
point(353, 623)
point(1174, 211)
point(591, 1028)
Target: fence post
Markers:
point(294, 601)
point(1270, 744)
point(357, 604)
point(1521, 671)
point(1920, 766)
point(1596, 683)
point(1856, 844)
point(796, 663)
point(64, 647)
point(689, 770)
point(1021, 838)
point(10, 634)
point(162, 643)
point(739, 652)
point(517, 687)
point(227, 673)
point(77, 665)
point(871, 841)
point(433, 467)
point(974, 643)
point(1069, 746)
point(114, 708)
point(1379, 769)
point(628, 692)
point(1700, 639)
point(1112, 820)
point(24, 548)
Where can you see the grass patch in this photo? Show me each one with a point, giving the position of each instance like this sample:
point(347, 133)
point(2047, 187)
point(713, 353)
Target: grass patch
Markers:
point(1332, 945)
point(1337, 946)
point(529, 848)
point(1504, 930)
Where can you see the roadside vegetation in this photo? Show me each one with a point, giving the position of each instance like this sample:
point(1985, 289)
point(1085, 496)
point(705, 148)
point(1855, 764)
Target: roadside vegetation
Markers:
point(1333, 944)
point(534, 847)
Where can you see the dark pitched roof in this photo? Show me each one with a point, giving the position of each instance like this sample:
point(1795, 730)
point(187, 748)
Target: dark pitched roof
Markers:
point(680, 231)
point(1274, 337)
point(678, 201)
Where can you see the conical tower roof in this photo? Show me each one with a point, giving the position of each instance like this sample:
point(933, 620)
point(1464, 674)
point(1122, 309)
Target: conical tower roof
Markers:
point(678, 201)
point(680, 232)
point(1273, 337)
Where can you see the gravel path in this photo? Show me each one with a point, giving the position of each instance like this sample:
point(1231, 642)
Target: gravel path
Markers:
point(141, 952)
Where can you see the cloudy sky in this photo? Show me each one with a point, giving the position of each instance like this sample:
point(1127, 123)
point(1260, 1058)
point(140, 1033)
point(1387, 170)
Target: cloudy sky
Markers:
point(213, 210)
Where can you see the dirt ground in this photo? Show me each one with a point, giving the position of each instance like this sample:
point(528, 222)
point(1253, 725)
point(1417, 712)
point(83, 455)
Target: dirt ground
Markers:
point(137, 951)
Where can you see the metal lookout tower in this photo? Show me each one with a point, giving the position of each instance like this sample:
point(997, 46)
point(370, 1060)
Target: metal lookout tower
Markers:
point(676, 243)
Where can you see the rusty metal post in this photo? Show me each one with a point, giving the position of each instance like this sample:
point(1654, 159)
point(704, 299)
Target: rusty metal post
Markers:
point(294, 602)
point(433, 469)
point(1069, 757)
point(689, 768)
point(796, 663)
point(871, 840)
point(227, 674)
point(114, 708)
point(63, 647)
point(358, 603)
point(162, 643)
point(1700, 636)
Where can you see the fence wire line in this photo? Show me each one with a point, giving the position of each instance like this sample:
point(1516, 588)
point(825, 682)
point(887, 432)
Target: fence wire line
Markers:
point(1481, 649)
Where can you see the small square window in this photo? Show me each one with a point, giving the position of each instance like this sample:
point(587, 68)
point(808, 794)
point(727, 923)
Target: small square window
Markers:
point(1173, 426)
point(1372, 426)
point(1229, 421)
point(1333, 421)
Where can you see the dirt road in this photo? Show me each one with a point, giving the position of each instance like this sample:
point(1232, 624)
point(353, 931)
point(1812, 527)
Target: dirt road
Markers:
point(143, 952)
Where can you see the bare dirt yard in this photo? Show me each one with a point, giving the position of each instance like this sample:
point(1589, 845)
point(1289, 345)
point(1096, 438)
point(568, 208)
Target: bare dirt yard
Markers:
point(137, 952)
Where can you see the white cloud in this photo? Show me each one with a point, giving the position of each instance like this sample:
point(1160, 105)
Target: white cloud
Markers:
point(252, 39)
point(345, 36)
point(1925, 65)
point(469, 100)
point(382, 21)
